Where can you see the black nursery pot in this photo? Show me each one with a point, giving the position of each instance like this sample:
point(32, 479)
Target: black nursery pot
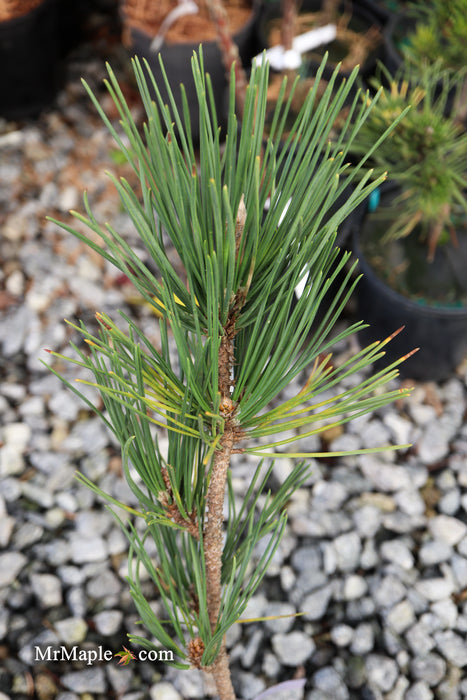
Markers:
point(378, 9)
point(395, 37)
point(440, 332)
point(31, 48)
point(177, 63)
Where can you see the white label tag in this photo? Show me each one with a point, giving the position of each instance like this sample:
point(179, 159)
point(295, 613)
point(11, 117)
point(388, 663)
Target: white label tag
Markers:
point(280, 59)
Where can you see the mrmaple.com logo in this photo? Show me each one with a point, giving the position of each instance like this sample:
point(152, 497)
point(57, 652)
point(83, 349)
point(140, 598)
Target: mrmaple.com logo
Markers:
point(99, 654)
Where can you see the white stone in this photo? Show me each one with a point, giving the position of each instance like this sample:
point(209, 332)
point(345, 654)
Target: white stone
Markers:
point(401, 616)
point(459, 570)
point(69, 198)
point(294, 648)
point(48, 590)
point(419, 691)
point(434, 443)
point(288, 578)
point(419, 639)
point(401, 428)
point(342, 635)
point(434, 552)
point(452, 647)
point(375, 434)
point(7, 523)
point(284, 614)
point(448, 529)
point(388, 591)
point(87, 549)
point(315, 604)
point(421, 413)
point(354, 587)
point(464, 502)
point(367, 520)
point(386, 477)
point(462, 547)
point(71, 630)
point(15, 283)
point(88, 680)
point(363, 640)
point(382, 671)
point(256, 607)
point(108, 622)
point(348, 548)
point(430, 668)
point(329, 681)
point(17, 434)
point(410, 502)
point(369, 557)
point(446, 612)
point(450, 502)
point(398, 692)
point(328, 495)
point(164, 691)
point(11, 564)
point(11, 461)
point(397, 552)
point(434, 589)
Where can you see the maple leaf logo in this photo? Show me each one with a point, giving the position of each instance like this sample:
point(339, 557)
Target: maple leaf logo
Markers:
point(126, 655)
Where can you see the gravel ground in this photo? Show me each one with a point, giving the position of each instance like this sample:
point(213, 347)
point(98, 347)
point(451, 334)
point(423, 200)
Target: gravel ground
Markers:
point(375, 552)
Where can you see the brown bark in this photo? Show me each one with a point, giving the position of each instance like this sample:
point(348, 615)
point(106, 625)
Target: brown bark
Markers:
point(221, 673)
point(229, 51)
point(213, 557)
point(289, 21)
point(213, 530)
point(213, 533)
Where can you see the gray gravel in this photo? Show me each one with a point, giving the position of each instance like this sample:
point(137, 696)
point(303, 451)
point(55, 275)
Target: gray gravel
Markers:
point(375, 552)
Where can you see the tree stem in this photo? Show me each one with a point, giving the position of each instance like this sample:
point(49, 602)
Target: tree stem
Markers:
point(213, 537)
point(221, 673)
point(213, 557)
point(213, 532)
point(289, 22)
point(229, 51)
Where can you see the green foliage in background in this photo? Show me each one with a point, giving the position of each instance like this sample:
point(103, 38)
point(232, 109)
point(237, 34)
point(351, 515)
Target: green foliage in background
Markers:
point(426, 154)
point(439, 36)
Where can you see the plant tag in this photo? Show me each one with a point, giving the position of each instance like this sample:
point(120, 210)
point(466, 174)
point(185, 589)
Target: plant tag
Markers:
point(184, 7)
point(300, 288)
point(281, 59)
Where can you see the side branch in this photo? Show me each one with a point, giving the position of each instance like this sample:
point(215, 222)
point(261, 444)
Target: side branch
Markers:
point(167, 501)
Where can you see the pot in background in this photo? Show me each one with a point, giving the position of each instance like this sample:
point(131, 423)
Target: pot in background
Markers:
point(395, 36)
point(438, 329)
point(177, 61)
point(32, 50)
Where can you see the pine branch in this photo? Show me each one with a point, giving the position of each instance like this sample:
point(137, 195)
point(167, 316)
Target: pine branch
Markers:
point(238, 334)
point(172, 510)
